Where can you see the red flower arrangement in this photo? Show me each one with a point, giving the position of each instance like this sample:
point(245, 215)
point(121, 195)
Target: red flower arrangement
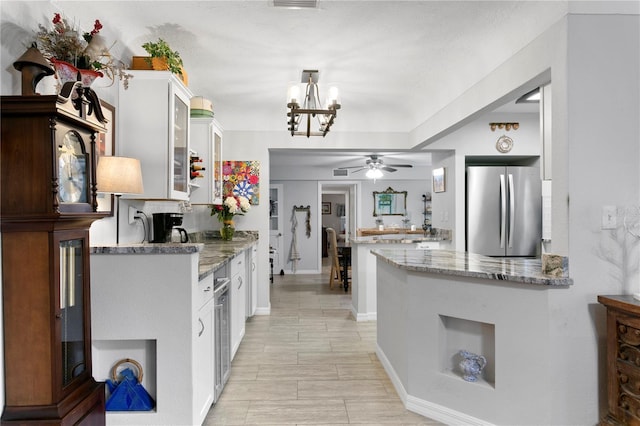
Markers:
point(64, 42)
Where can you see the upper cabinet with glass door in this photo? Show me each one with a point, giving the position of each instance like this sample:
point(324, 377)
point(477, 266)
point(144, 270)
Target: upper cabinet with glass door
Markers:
point(206, 166)
point(153, 126)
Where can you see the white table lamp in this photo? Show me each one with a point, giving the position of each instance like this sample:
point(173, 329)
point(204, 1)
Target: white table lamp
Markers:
point(119, 175)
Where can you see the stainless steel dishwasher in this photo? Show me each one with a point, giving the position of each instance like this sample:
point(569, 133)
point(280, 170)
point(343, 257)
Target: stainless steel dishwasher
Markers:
point(222, 335)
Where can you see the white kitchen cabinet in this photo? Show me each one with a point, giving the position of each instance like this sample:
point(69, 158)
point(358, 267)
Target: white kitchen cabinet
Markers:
point(159, 313)
point(206, 144)
point(153, 126)
point(252, 287)
point(238, 300)
point(203, 344)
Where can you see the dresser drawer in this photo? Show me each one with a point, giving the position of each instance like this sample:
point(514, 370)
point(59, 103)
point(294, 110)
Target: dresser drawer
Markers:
point(204, 293)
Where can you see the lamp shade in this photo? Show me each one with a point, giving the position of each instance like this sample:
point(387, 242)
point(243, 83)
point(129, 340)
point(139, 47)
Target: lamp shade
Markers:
point(119, 175)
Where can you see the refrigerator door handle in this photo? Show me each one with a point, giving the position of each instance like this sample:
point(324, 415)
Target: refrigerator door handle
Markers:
point(503, 211)
point(512, 210)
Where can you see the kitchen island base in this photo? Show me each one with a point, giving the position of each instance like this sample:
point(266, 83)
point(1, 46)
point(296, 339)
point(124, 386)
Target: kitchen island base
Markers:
point(426, 318)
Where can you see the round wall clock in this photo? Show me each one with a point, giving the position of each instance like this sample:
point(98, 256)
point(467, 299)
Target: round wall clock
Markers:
point(504, 144)
point(72, 169)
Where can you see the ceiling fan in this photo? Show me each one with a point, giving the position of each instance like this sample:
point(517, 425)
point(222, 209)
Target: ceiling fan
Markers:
point(375, 163)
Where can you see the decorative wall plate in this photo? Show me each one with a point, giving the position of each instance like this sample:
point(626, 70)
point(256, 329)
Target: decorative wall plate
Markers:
point(504, 144)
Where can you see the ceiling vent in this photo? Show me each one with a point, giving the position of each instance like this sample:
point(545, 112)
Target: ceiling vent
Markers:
point(340, 172)
point(296, 4)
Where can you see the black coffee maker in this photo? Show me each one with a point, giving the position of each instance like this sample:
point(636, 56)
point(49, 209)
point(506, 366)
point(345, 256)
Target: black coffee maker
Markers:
point(163, 226)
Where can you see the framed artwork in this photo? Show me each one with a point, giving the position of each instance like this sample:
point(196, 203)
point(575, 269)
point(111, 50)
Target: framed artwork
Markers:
point(439, 184)
point(241, 178)
point(326, 207)
point(106, 146)
point(389, 203)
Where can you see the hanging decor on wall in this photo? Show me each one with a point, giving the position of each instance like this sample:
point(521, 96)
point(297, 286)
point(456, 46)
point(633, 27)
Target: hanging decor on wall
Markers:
point(504, 144)
point(242, 178)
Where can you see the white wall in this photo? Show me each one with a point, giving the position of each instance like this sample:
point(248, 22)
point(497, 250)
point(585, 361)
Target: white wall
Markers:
point(476, 139)
point(414, 188)
point(333, 220)
point(595, 109)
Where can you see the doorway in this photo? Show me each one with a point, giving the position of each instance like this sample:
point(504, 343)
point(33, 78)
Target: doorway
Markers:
point(338, 210)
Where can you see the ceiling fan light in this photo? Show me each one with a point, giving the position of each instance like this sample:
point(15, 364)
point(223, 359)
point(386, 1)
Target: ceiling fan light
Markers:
point(374, 173)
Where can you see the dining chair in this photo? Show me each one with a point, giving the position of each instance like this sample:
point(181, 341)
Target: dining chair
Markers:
point(336, 260)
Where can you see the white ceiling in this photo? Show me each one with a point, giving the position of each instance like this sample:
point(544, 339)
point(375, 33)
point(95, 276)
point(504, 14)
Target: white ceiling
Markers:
point(395, 62)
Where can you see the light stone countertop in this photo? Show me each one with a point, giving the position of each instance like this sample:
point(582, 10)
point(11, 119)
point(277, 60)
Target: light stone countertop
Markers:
point(394, 239)
point(214, 252)
point(447, 262)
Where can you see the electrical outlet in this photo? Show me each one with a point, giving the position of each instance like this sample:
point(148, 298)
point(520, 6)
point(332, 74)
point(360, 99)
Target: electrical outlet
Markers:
point(609, 217)
point(132, 215)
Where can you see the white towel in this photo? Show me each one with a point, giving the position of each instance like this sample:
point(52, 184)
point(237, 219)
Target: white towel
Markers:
point(294, 255)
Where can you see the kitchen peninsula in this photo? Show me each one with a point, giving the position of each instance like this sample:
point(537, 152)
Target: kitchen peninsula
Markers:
point(154, 303)
point(363, 263)
point(438, 302)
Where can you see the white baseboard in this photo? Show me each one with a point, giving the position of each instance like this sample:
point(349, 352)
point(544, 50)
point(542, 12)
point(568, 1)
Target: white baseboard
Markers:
point(425, 408)
point(263, 311)
point(367, 316)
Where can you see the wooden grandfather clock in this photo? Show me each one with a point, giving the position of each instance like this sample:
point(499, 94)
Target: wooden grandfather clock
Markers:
point(47, 204)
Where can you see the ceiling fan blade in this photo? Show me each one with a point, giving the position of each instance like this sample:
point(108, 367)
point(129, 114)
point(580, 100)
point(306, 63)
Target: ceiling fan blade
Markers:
point(359, 170)
point(387, 168)
point(400, 165)
point(348, 167)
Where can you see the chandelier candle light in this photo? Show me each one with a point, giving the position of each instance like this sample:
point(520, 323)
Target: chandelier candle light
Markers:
point(311, 106)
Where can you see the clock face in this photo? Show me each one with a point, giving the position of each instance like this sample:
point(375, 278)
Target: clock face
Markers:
point(72, 170)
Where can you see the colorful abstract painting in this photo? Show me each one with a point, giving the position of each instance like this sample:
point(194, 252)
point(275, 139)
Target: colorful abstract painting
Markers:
point(242, 178)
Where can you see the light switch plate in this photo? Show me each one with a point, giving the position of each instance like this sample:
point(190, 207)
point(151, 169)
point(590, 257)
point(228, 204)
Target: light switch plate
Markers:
point(609, 217)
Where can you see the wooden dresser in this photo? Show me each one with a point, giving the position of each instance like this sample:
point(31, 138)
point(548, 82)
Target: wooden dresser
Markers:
point(623, 360)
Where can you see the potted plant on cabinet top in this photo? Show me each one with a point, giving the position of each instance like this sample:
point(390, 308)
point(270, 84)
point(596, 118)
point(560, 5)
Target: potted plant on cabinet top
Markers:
point(162, 58)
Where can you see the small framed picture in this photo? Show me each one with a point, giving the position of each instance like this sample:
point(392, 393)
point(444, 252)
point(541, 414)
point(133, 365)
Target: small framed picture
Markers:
point(326, 208)
point(439, 183)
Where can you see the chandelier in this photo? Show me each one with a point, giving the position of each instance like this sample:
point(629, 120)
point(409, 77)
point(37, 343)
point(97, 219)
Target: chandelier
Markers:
point(311, 109)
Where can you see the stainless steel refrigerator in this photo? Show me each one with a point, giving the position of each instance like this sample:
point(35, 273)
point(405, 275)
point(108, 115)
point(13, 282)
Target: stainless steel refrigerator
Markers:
point(504, 210)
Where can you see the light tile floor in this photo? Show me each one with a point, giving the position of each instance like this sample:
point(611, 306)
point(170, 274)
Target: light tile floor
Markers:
point(309, 362)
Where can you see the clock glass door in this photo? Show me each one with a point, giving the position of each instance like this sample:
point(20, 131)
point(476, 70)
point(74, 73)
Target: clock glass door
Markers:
point(72, 309)
point(72, 169)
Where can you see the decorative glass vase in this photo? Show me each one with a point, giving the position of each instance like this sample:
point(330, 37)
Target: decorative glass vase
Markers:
point(65, 71)
point(227, 230)
point(88, 76)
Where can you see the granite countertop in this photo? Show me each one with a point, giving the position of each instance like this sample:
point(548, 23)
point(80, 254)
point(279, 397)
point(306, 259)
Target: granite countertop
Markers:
point(394, 239)
point(214, 252)
point(447, 262)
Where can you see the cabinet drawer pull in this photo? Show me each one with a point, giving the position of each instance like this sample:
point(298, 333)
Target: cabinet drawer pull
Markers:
point(202, 324)
point(208, 288)
point(240, 279)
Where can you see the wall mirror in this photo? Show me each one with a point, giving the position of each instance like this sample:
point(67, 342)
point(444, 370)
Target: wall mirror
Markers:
point(389, 202)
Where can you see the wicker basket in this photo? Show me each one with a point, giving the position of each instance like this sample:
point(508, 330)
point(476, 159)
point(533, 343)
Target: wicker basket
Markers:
point(157, 64)
point(136, 364)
